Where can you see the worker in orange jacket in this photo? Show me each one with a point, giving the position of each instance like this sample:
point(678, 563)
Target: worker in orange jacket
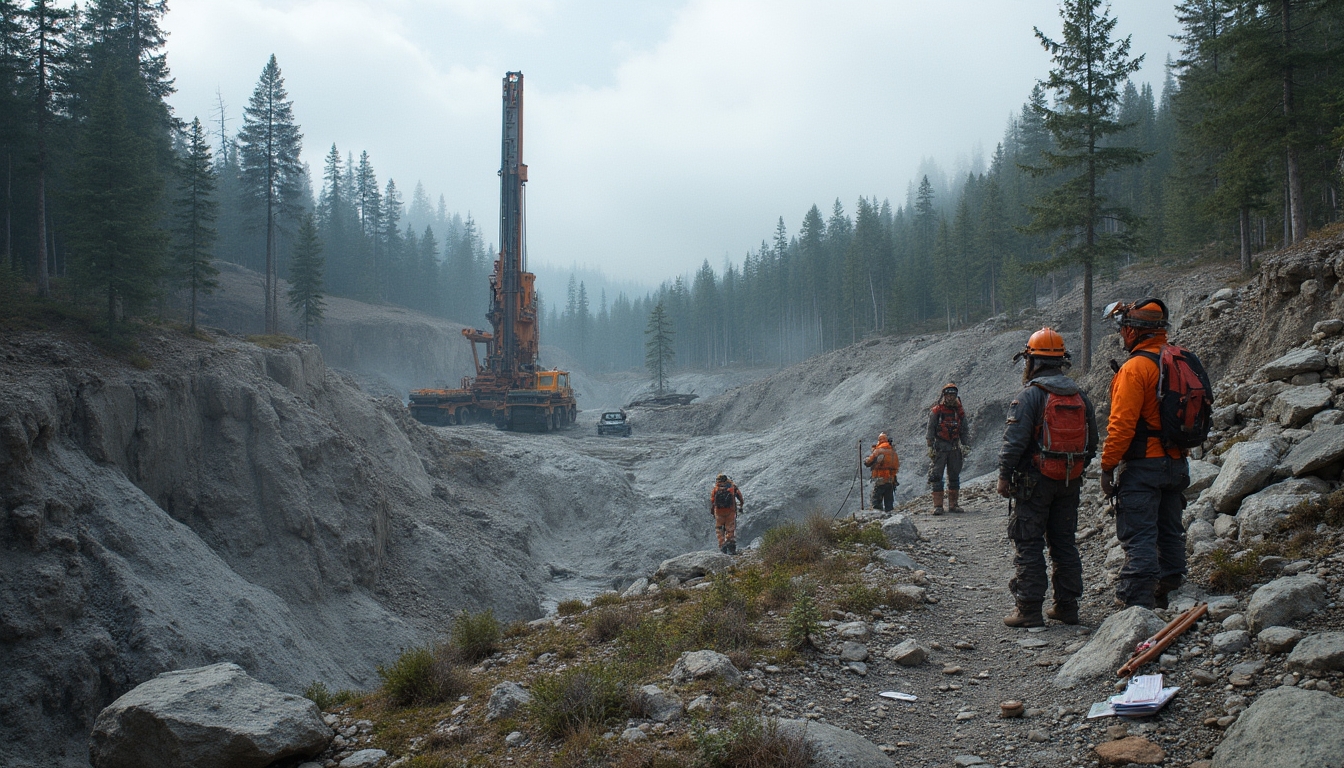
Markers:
point(885, 464)
point(1152, 477)
point(725, 501)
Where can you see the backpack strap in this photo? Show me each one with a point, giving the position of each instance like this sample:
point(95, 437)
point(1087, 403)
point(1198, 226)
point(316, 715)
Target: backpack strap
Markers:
point(1138, 445)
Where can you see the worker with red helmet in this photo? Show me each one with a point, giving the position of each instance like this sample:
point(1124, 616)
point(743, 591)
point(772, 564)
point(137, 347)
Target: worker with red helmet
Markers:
point(946, 437)
point(1152, 474)
point(884, 464)
point(1050, 437)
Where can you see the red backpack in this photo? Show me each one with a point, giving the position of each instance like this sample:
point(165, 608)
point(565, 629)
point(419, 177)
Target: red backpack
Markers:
point(1184, 402)
point(1062, 437)
point(949, 421)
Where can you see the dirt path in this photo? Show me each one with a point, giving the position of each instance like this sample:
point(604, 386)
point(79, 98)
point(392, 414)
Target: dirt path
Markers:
point(969, 561)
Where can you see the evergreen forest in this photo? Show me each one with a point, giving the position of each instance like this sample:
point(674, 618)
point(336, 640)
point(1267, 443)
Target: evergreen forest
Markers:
point(115, 206)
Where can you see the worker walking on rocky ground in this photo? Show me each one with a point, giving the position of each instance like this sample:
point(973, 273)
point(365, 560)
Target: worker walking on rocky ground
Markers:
point(1050, 437)
point(947, 441)
point(885, 464)
point(725, 502)
point(1161, 403)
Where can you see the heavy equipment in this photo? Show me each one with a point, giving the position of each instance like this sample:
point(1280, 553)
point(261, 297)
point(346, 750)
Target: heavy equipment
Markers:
point(509, 388)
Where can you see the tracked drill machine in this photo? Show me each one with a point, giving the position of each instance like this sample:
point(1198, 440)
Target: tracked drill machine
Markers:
point(508, 388)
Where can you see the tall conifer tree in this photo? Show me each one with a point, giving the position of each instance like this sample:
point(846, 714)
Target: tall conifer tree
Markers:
point(197, 211)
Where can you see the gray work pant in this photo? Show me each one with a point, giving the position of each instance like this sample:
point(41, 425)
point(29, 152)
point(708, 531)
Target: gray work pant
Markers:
point(1046, 515)
point(951, 460)
point(1148, 524)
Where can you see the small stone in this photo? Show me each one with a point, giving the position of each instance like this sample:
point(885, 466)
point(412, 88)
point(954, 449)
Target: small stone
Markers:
point(1132, 749)
point(967, 761)
point(951, 669)
point(633, 734)
point(700, 703)
point(702, 665)
point(1320, 652)
point(961, 716)
point(1011, 708)
point(851, 651)
point(1032, 642)
point(1037, 736)
point(908, 653)
point(505, 699)
point(515, 739)
point(858, 668)
point(1278, 639)
point(1230, 642)
point(1236, 621)
point(364, 758)
point(1203, 677)
point(964, 645)
point(1225, 721)
point(1117, 731)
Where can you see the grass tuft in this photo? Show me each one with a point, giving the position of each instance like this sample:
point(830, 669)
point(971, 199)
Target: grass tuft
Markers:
point(608, 622)
point(422, 677)
point(1228, 573)
point(475, 635)
point(587, 696)
point(791, 544)
point(571, 607)
point(750, 743)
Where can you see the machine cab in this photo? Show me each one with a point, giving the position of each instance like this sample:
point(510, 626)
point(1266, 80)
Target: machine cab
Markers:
point(553, 380)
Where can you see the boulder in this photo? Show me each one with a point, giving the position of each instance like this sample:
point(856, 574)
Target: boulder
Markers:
point(659, 706)
point(1109, 647)
point(1246, 468)
point(851, 651)
point(834, 747)
point(1222, 607)
point(1327, 418)
point(897, 559)
point(900, 529)
point(1202, 475)
point(505, 700)
point(1321, 652)
point(1278, 639)
point(207, 717)
point(1232, 641)
point(1330, 327)
point(854, 630)
point(1284, 600)
point(1295, 406)
point(908, 653)
point(1131, 750)
point(1322, 449)
point(1223, 294)
point(364, 758)
point(637, 588)
point(1293, 363)
point(1261, 512)
point(705, 665)
point(1197, 531)
point(693, 564)
point(1286, 727)
point(1224, 526)
point(916, 595)
point(1225, 417)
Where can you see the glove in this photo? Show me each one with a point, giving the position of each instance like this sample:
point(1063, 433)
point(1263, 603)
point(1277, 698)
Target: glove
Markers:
point(1108, 488)
point(932, 453)
point(965, 450)
point(1005, 488)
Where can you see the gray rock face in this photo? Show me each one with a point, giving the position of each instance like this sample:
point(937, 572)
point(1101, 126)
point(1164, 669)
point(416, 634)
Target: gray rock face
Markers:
point(1278, 639)
point(1110, 645)
point(1224, 417)
point(1319, 653)
point(909, 653)
point(1197, 531)
point(900, 529)
point(703, 665)
point(834, 747)
point(659, 706)
point(1286, 727)
point(1322, 449)
point(694, 564)
point(1261, 512)
point(1295, 406)
point(898, 559)
point(1246, 468)
point(1284, 600)
point(1231, 641)
point(208, 717)
point(1293, 363)
point(505, 700)
point(1202, 475)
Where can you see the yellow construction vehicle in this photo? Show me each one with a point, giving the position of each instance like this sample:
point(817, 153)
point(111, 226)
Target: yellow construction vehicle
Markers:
point(509, 388)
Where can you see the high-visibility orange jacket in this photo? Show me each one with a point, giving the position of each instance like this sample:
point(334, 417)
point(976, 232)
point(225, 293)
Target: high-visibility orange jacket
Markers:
point(1134, 397)
point(884, 461)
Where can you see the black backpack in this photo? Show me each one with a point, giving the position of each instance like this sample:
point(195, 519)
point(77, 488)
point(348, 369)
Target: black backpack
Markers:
point(723, 497)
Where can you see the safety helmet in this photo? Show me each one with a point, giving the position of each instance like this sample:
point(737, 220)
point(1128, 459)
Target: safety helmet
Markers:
point(882, 438)
point(721, 479)
point(949, 387)
point(1148, 313)
point(1045, 343)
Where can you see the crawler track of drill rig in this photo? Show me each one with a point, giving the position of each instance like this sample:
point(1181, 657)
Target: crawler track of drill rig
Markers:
point(509, 388)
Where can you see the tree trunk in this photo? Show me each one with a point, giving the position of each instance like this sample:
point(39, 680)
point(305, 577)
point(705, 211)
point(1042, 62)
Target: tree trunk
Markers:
point(1244, 217)
point(1296, 205)
point(1085, 359)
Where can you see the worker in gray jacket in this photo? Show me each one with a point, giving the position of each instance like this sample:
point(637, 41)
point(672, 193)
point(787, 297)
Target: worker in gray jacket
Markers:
point(1050, 437)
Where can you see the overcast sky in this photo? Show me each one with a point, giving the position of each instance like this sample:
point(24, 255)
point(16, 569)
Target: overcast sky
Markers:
point(657, 134)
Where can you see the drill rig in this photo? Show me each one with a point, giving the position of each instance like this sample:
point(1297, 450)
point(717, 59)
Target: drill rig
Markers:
point(508, 388)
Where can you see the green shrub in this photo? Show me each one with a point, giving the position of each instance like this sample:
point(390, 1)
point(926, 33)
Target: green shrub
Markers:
point(750, 743)
point(870, 534)
point(790, 543)
point(317, 693)
point(476, 635)
point(607, 598)
point(421, 677)
point(570, 607)
point(610, 621)
point(1228, 573)
point(588, 696)
point(803, 622)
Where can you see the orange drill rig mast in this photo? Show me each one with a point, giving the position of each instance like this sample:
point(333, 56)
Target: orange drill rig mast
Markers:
point(508, 388)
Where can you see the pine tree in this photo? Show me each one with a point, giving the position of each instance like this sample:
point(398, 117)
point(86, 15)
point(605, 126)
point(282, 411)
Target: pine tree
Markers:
point(197, 211)
point(659, 349)
point(49, 31)
point(1089, 69)
point(116, 194)
point(271, 144)
point(305, 277)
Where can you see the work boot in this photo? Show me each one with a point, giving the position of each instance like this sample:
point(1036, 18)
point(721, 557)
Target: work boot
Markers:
point(952, 502)
point(937, 503)
point(1164, 588)
point(723, 548)
point(1065, 611)
point(732, 550)
point(1025, 615)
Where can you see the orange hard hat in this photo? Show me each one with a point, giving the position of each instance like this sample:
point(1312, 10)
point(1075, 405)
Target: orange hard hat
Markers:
point(950, 387)
point(1148, 313)
point(1045, 343)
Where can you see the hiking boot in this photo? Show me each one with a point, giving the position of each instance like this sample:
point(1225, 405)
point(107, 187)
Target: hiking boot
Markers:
point(723, 548)
point(1025, 615)
point(1066, 612)
point(952, 502)
point(1164, 588)
point(732, 548)
point(937, 503)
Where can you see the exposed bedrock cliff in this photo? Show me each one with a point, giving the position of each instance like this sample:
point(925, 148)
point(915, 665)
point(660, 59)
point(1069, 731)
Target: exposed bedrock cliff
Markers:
point(230, 503)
